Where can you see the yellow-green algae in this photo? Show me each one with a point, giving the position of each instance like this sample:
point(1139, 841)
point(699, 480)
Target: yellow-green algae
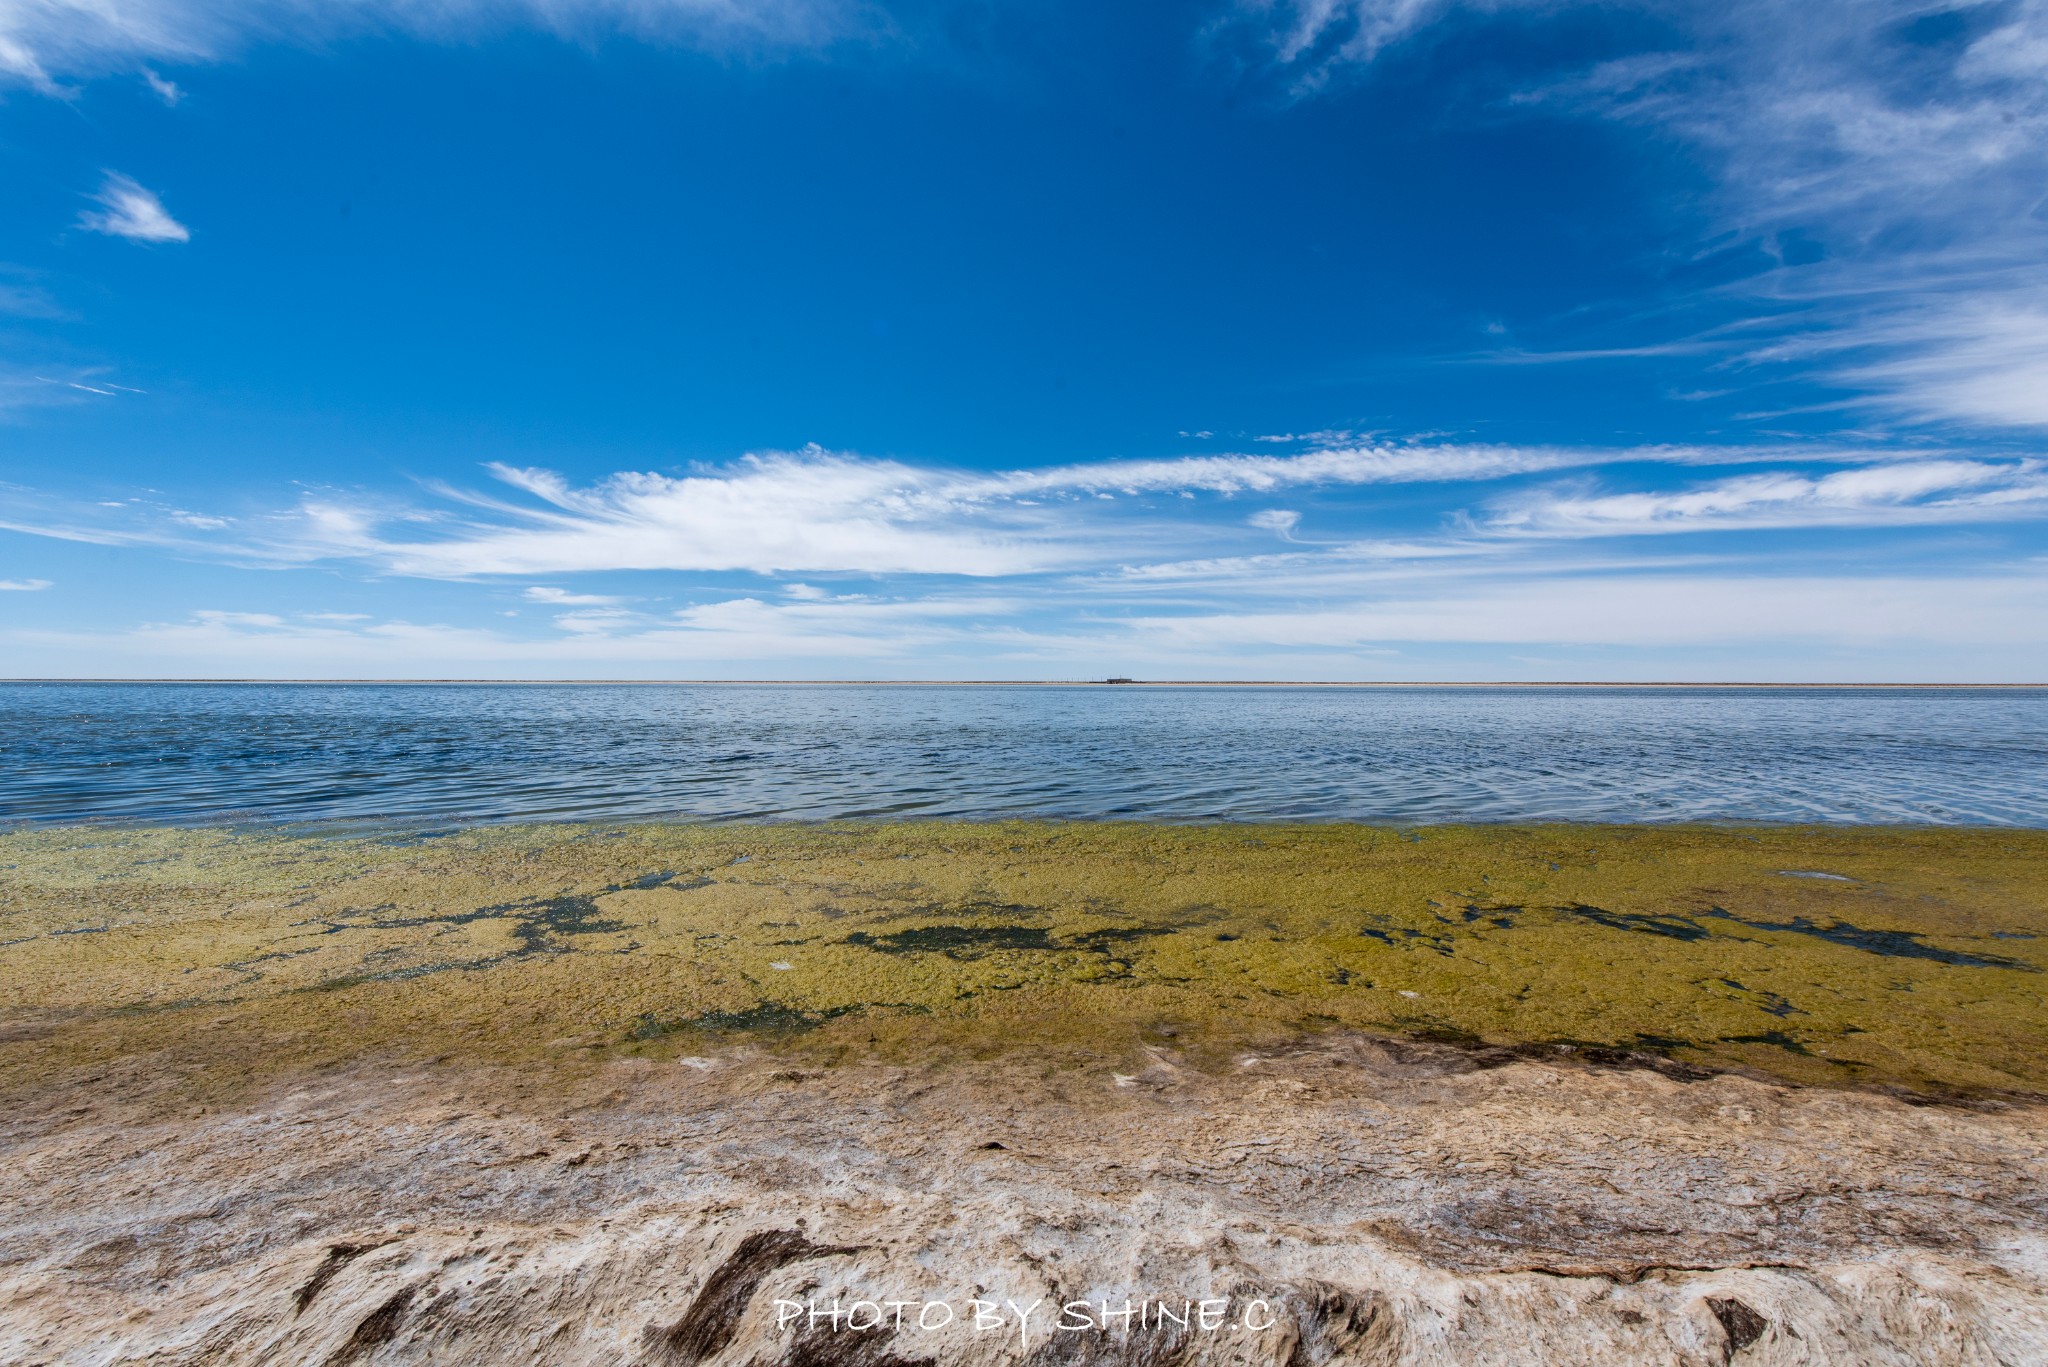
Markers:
point(233, 953)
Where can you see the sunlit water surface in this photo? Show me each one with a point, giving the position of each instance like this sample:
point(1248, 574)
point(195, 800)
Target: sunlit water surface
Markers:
point(412, 754)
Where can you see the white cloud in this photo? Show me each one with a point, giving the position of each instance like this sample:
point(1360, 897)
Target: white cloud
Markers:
point(1906, 493)
point(819, 512)
point(1980, 358)
point(44, 42)
point(41, 386)
point(165, 90)
point(1344, 567)
point(217, 617)
point(541, 593)
point(1314, 41)
point(768, 514)
point(1385, 464)
point(1907, 140)
point(595, 620)
point(23, 585)
point(134, 521)
point(815, 511)
point(1164, 586)
point(132, 212)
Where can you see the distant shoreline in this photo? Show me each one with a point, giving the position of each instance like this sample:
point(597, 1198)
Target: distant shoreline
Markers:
point(1057, 683)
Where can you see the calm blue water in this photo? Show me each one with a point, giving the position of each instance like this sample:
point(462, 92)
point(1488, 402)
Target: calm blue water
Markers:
point(429, 753)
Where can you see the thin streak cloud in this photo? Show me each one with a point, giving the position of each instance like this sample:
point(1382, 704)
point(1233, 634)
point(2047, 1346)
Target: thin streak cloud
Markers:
point(44, 43)
point(1891, 495)
point(1899, 145)
point(127, 210)
point(819, 511)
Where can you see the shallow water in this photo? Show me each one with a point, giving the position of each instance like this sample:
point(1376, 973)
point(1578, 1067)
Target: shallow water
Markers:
point(431, 753)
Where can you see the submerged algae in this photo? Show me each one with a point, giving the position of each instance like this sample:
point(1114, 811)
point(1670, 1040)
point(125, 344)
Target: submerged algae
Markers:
point(1914, 966)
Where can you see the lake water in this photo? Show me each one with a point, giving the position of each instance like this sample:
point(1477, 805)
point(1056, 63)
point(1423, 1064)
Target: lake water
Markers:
point(412, 754)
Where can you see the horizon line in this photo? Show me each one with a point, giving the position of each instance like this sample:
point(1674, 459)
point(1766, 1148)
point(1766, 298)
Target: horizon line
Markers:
point(1114, 682)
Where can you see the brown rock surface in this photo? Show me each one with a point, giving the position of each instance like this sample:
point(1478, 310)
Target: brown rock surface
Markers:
point(1386, 1202)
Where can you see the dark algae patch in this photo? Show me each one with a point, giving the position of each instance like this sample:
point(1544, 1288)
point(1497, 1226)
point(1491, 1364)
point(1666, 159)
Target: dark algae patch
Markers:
point(763, 1018)
point(1671, 927)
point(1916, 964)
point(959, 942)
point(1897, 944)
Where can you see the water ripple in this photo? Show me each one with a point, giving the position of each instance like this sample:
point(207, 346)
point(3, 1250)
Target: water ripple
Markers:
point(202, 753)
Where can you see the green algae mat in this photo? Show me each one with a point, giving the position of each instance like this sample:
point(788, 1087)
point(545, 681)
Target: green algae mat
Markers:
point(1847, 956)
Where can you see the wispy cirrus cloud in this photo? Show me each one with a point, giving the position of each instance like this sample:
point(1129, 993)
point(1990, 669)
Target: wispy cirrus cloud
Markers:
point(138, 520)
point(44, 43)
point(548, 594)
point(816, 511)
point(819, 511)
point(1975, 356)
point(39, 386)
point(1051, 572)
point(128, 210)
point(1888, 155)
point(1389, 463)
point(1902, 494)
point(1312, 44)
point(769, 514)
point(23, 585)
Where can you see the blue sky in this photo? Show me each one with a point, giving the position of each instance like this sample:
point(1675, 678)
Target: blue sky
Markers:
point(1333, 339)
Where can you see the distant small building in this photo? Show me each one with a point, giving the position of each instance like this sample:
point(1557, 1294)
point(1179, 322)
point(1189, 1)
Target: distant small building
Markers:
point(1119, 680)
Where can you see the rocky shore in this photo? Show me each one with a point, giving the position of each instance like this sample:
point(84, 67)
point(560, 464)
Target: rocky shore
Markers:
point(1353, 1200)
point(885, 1096)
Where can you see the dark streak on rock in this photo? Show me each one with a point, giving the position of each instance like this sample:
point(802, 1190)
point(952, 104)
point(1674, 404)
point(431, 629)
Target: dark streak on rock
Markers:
point(378, 1327)
point(338, 1257)
point(1628, 1274)
point(713, 1318)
